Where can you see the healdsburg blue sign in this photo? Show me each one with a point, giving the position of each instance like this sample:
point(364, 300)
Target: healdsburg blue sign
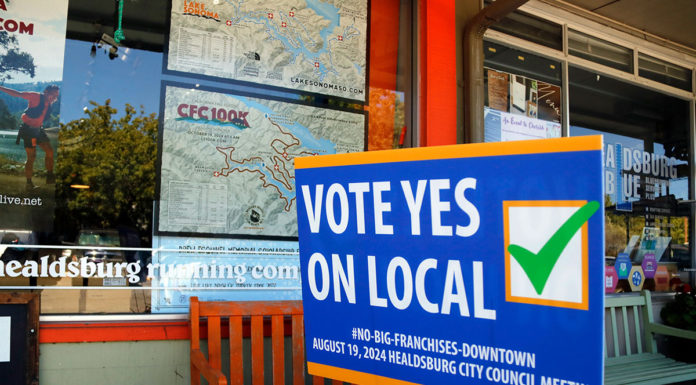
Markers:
point(477, 263)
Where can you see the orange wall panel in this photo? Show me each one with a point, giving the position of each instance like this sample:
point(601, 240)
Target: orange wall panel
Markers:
point(438, 73)
point(384, 43)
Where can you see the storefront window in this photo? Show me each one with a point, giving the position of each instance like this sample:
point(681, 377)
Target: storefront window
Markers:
point(522, 95)
point(647, 178)
point(647, 175)
point(178, 133)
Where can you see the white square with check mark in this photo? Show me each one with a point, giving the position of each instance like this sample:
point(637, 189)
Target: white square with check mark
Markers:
point(545, 253)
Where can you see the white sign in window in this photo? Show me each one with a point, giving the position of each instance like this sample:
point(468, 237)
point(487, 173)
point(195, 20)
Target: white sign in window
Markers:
point(5, 339)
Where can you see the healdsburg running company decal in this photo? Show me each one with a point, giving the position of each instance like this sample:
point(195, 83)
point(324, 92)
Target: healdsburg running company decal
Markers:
point(478, 263)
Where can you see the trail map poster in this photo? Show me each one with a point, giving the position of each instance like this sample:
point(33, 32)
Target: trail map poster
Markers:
point(227, 160)
point(305, 45)
point(32, 42)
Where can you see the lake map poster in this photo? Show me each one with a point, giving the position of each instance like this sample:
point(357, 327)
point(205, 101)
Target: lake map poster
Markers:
point(32, 44)
point(305, 45)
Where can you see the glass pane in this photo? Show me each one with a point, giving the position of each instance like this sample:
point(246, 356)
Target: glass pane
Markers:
point(647, 177)
point(531, 28)
point(109, 122)
point(391, 50)
point(516, 61)
point(522, 95)
point(600, 51)
point(664, 72)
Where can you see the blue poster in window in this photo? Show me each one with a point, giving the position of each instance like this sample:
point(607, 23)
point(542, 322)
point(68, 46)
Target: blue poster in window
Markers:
point(479, 263)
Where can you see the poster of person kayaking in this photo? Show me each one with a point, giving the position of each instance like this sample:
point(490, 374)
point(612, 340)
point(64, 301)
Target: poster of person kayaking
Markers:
point(32, 44)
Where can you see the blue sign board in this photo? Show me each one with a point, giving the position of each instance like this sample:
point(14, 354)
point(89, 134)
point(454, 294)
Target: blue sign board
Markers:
point(479, 263)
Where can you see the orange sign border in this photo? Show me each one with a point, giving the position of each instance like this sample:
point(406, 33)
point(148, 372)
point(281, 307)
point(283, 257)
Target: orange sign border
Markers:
point(540, 146)
point(352, 376)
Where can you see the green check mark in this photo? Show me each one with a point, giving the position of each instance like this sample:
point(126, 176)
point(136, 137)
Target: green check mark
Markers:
point(538, 266)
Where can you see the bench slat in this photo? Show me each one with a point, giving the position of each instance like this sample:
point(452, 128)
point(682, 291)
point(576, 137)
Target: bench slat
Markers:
point(640, 374)
point(236, 353)
point(622, 360)
point(633, 369)
point(278, 351)
point(298, 366)
point(257, 350)
point(268, 308)
point(627, 335)
point(214, 356)
point(639, 341)
point(625, 299)
point(194, 329)
point(615, 332)
point(668, 374)
point(685, 375)
point(651, 344)
point(606, 353)
point(638, 371)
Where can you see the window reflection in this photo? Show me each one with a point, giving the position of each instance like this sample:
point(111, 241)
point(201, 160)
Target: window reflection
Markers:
point(646, 177)
point(105, 140)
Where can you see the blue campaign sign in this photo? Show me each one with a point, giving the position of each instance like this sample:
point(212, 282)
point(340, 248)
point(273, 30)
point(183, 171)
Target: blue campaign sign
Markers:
point(479, 263)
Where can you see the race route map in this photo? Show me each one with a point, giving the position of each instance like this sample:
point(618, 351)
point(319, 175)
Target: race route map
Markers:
point(227, 160)
point(316, 46)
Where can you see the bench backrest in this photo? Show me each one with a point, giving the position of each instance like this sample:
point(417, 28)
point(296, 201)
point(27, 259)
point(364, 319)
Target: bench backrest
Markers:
point(235, 312)
point(626, 321)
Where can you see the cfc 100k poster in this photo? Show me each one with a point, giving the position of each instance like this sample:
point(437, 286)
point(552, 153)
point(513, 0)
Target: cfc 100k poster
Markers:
point(32, 42)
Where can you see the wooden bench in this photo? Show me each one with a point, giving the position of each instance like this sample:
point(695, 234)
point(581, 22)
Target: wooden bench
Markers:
point(630, 352)
point(283, 318)
point(630, 349)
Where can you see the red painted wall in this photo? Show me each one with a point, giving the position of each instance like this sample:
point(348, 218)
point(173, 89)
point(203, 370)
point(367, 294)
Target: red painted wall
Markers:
point(438, 73)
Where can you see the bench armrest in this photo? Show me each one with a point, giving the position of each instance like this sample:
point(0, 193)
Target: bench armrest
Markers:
point(672, 331)
point(212, 375)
